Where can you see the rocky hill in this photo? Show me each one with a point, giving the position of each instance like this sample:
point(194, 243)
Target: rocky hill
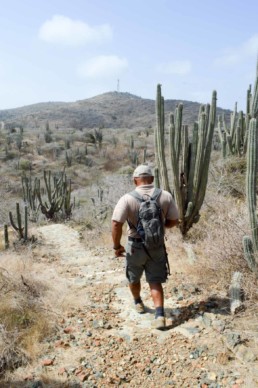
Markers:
point(109, 110)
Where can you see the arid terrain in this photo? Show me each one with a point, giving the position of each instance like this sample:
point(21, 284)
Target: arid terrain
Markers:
point(66, 314)
point(98, 340)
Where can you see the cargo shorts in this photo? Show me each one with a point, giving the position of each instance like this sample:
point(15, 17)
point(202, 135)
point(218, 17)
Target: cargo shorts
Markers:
point(138, 261)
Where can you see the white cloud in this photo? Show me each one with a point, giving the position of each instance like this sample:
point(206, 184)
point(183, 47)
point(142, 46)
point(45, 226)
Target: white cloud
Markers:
point(238, 54)
point(63, 30)
point(175, 68)
point(251, 46)
point(102, 66)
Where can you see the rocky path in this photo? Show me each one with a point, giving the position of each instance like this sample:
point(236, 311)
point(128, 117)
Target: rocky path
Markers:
point(100, 341)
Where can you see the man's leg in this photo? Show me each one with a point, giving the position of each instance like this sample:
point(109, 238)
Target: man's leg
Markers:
point(158, 300)
point(157, 295)
point(135, 289)
point(135, 261)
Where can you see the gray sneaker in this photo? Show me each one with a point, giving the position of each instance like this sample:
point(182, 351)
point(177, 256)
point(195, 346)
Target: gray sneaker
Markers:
point(139, 307)
point(159, 323)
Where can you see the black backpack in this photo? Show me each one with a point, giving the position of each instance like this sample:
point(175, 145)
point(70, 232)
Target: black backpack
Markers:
point(149, 221)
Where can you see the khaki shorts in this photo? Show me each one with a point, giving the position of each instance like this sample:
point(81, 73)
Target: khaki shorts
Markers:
point(138, 261)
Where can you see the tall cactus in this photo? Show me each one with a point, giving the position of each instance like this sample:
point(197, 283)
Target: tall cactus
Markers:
point(58, 195)
point(21, 230)
point(30, 198)
point(254, 96)
point(68, 204)
point(233, 138)
point(6, 236)
point(159, 140)
point(251, 244)
point(237, 135)
point(189, 159)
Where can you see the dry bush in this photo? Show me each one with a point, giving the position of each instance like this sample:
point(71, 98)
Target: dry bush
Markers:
point(217, 242)
point(24, 320)
point(228, 175)
point(11, 355)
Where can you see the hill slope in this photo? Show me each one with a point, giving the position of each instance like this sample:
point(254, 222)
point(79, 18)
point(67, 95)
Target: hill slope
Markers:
point(110, 110)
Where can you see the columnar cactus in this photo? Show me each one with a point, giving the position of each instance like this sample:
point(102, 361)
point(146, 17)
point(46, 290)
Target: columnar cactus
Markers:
point(254, 97)
point(189, 160)
point(159, 140)
point(6, 236)
point(251, 244)
point(131, 142)
point(30, 198)
point(233, 138)
point(21, 230)
point(144, 154)
point(68, 205)
point(58, 194)
point(68, 158)
point(237, 134)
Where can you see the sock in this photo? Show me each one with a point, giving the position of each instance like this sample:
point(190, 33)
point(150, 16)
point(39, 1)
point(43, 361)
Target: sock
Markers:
point(138, 300)
point(159, 312)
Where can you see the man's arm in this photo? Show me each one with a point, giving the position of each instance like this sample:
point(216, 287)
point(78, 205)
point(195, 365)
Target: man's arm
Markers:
point(171, 223)
point(117, 228)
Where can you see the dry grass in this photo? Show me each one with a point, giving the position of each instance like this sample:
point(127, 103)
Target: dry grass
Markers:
point(27, 310)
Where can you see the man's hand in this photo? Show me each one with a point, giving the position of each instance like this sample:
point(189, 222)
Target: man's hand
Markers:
point(119, 252)
point(116, 235)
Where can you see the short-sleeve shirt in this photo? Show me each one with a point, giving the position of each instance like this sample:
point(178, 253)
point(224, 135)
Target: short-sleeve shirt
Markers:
point(127, 207)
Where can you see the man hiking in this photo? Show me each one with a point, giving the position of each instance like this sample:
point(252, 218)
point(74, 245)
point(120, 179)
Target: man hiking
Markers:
point(147, 212)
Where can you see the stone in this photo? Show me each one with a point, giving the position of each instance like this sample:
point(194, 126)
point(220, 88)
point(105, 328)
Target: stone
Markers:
point(187, 331)
point(59, 343)
point(83, 376)
point(244, 354)
point(212, 376)
point(218, 325)
point(61, 371)
point(232, 339)
point(47, 362)
point(68, 330)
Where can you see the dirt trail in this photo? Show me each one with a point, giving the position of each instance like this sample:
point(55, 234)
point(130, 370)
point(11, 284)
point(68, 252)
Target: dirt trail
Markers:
point(101, 341)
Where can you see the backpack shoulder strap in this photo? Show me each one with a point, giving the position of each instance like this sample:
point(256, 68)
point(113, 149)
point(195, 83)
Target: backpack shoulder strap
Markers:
point(136, 195)
point(156, 193)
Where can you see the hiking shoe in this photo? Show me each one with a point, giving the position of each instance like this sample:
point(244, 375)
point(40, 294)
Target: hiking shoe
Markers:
point(171, 321)
point(159, 323)
point(139, 307)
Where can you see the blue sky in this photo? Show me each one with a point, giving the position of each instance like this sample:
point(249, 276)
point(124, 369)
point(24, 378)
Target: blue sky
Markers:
point(62, 50)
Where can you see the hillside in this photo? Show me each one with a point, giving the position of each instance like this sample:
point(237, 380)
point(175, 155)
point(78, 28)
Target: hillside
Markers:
point(109, 110)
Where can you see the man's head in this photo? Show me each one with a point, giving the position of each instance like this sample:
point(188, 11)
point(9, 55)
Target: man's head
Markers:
point(143, 175)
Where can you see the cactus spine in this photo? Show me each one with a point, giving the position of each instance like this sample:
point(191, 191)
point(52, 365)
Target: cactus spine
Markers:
point(21, 230)
point(251, 244)
point(189, 160)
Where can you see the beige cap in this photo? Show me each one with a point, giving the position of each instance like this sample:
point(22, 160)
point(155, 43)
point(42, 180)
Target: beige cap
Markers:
point(142, 170)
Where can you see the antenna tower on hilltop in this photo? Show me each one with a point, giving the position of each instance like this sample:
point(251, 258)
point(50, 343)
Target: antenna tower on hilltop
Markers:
point(118, 85)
